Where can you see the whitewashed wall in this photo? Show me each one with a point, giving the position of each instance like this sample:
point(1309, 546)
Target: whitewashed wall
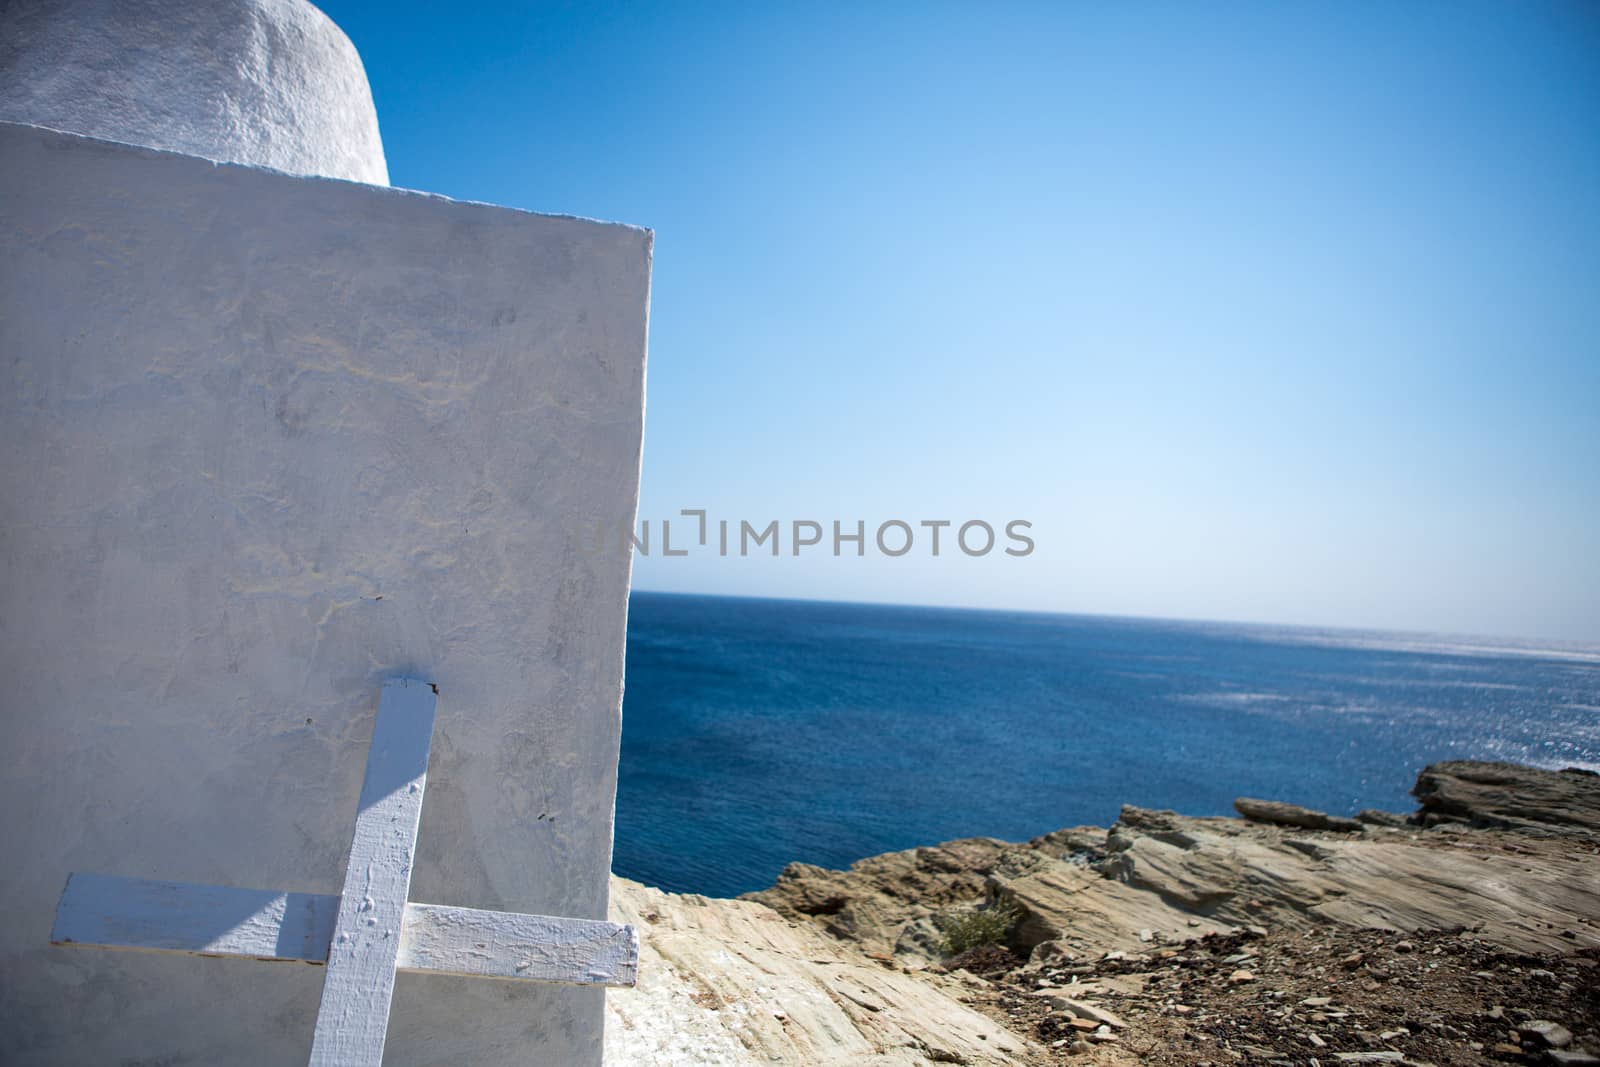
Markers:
point(264, 442)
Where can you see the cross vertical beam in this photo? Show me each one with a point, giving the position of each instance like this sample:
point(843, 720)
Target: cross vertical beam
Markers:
point(353, 1019)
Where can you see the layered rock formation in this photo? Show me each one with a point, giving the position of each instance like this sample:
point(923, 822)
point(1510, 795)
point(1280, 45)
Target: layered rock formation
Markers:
point(732, 982)
point(846, 966)
point(1510, 797)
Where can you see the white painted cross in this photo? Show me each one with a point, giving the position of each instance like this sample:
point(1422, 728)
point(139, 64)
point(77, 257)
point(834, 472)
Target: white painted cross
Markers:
point(368, 932)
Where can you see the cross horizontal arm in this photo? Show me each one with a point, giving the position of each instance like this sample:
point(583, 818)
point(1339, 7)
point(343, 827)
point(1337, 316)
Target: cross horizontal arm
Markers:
point(106, 911)
point(500, 944)
point(201, 920)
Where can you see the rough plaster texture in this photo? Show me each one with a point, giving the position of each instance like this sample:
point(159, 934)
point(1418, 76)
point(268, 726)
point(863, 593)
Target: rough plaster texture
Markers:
point(268, 82)
point(265, 442)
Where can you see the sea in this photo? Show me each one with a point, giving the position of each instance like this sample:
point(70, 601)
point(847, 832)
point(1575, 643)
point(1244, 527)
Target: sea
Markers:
point(760, 732)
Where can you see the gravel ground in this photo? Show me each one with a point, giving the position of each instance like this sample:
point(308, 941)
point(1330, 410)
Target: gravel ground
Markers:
point(1315, 998)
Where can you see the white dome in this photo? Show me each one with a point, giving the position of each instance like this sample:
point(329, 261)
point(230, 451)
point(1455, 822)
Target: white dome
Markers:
point(272, 83)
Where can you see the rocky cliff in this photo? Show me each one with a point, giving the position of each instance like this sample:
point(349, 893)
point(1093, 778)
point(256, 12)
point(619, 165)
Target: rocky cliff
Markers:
point(1450, 935)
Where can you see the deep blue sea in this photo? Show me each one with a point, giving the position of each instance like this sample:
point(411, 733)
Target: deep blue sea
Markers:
point(756, 732)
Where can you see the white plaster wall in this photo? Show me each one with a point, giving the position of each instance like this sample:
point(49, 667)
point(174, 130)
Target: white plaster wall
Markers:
point(268, 82)
point(264, 442)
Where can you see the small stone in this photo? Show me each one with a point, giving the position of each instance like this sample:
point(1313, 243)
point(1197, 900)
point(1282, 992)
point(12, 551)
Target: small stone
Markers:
point(1240, 977)
point(1317, 1002)
point(1046, 953)
point(1547, 1033)
point(1080, 1009)
point(1079, 1046)
point(1352, 961)
point(1505, 1048)
point(1403, 946)
point(1572, 1057)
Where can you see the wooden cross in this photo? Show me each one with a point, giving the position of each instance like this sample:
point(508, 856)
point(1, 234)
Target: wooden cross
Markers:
point(368, 932)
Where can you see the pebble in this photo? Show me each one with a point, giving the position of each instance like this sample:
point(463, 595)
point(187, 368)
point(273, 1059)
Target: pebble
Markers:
point(1240, 977)
point(1103, 1035)
point(1081, 1009)
point(1547, 1033)
point(1317, 1002)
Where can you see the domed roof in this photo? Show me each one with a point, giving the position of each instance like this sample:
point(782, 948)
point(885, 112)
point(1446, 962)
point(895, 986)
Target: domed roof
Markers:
point(272, 83)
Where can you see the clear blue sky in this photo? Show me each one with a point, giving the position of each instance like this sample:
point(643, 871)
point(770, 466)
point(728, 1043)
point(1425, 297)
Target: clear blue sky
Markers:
point(1283, 312)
